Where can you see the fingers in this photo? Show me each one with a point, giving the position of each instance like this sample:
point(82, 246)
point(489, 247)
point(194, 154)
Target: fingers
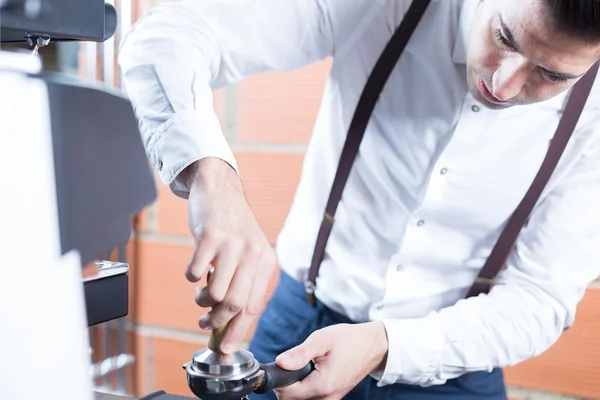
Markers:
point(240, 325)
point(315, 346)
point(233, 298)
point(204, 254)
point(314, 386)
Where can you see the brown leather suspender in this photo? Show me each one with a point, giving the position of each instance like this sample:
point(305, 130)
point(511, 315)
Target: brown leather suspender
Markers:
point(374, 86)
point(508, 237)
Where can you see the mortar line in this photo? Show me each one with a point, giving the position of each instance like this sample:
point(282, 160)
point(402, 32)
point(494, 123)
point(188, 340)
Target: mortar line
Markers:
point(165, 238)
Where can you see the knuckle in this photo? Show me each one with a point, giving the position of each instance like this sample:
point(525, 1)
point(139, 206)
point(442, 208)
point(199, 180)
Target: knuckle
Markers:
point(234, 305)
point(234, 241)
point(254, 250)
point(254, 310)
point(212, 235)
point(215, 294)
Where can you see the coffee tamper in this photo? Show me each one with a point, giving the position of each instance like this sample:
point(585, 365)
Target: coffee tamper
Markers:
point(212, 375)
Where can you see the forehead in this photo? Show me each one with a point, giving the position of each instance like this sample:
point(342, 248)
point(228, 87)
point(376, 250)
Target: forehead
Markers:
point(532, 27)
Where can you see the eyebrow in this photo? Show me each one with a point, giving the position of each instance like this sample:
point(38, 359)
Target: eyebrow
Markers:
point(511, 39)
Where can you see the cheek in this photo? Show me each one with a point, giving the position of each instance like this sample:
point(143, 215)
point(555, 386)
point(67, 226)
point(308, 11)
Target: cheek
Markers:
point(483, 53)
point(541, 91)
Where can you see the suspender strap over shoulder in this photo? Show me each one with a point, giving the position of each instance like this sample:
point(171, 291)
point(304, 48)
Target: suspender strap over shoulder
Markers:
point(366, 104)
point(497, 258)
point(374, 86)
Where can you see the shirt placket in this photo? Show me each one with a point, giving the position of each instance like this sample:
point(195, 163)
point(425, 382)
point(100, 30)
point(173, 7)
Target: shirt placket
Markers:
point(417, 238)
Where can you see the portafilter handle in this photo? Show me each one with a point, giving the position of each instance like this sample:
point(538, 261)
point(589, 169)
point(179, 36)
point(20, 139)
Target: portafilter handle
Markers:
point(277, 377)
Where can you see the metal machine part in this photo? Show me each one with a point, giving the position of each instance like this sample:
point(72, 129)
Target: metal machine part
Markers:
point(56, 20)
point(215, 376)
point(107, 292)
point(111, 364)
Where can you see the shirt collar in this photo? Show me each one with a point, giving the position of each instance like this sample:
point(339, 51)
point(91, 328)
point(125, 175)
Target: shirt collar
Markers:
point(467, 13)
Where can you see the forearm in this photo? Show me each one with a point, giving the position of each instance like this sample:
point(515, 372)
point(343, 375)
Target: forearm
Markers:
point(510, 325)
point(179, 53)
point(553, 262)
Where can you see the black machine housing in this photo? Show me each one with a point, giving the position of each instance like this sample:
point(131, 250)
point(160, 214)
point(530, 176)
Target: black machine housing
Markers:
point(57, 20)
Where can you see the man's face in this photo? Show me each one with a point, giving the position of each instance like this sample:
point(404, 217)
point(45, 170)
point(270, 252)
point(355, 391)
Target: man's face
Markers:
point(516, 56)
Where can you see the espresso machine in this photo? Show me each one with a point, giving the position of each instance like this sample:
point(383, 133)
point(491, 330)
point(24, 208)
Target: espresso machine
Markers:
point(73, 174)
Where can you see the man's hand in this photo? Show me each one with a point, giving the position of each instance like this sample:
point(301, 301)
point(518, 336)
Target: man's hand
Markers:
point(229, 238)
point(343, 355)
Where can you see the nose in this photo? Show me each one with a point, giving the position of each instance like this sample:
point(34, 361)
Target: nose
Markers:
point(509, 78)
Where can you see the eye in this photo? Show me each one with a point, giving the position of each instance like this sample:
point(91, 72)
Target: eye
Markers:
point(502, 39)
point(554, 78)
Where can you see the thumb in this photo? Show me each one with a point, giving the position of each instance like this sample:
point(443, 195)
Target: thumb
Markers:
point(316, 345)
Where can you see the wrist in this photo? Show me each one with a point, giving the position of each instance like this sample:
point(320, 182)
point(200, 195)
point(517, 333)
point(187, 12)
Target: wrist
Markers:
point(210, 173)
point(379, 343)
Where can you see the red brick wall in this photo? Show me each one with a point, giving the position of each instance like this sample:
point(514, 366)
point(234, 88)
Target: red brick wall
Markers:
point(267, 120)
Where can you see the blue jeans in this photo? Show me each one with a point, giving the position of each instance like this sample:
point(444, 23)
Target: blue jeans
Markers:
point(288, 320)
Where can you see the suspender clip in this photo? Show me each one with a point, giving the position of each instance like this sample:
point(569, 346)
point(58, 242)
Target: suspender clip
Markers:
point(309, 289)
point(485, 281)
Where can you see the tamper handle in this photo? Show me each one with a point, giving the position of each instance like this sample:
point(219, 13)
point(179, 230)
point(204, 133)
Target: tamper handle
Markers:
point(276, 377)
point(216, 335)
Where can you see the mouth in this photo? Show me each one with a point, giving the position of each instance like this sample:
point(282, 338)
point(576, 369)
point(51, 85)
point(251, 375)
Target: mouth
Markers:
point(486, 93)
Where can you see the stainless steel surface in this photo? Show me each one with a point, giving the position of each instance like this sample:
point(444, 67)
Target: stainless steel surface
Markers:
point(110, 365)
point(225, 366)
point(108, 268)
point(213, 375)
point(37, 43)
point(110, 396)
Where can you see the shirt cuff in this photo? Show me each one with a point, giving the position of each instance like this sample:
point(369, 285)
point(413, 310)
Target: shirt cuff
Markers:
point(415, 348)
point(183, 139)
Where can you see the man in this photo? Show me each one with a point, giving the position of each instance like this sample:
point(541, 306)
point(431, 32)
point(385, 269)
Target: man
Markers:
point(455, 140)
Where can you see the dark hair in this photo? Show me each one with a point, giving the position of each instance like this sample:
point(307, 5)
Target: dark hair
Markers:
point(580, 18)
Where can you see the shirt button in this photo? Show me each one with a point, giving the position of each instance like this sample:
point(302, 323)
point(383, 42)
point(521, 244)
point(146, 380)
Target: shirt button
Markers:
point(399, 267)
point(421, 223)
point(444, 171)
point(475, 108)
point(160, 165)
point(379, 307)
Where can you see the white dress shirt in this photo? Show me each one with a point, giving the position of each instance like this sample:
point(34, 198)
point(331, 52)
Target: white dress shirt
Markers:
point(437, 177)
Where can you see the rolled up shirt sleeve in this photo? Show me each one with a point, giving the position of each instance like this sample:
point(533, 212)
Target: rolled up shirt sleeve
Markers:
point(556, 257)
point(180, 52)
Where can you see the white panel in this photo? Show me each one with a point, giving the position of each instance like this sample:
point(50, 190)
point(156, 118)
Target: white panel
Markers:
point(43, 339)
